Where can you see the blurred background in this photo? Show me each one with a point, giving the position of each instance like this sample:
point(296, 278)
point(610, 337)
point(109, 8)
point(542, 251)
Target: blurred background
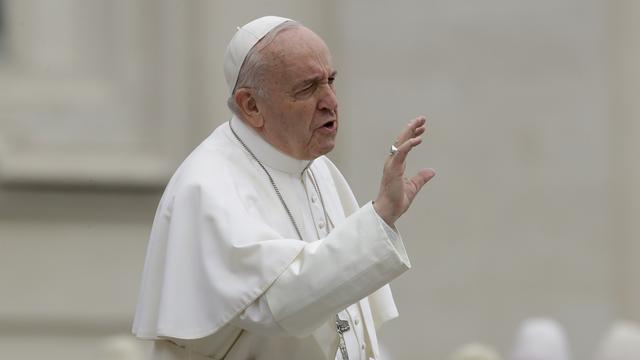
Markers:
point(534, 123)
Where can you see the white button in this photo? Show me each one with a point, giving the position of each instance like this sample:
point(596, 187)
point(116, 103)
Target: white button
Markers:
point(314, 198)
point(362, 346)
point(321, 225)
point(357, 321)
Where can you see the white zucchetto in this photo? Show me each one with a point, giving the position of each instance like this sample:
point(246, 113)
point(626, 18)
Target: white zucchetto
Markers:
point(242, 42)
point(621, 343)
point(541, 339)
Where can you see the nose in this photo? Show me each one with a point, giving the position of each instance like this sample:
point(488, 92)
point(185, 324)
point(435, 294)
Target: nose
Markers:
point(328, 99)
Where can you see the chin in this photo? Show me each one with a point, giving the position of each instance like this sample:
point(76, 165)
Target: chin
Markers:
point(320, 147)
point(325, 150)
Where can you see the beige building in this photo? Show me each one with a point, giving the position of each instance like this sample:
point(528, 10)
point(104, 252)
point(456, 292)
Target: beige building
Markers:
point(534, 126)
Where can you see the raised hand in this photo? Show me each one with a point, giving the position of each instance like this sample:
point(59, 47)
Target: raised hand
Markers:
point(396, 190)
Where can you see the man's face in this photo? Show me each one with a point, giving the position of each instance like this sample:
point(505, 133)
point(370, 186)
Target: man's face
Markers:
point(300, 109)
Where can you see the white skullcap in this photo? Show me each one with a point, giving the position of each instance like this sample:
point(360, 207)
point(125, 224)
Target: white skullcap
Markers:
point(621, 343)
point(242, 42)
point(541, 339)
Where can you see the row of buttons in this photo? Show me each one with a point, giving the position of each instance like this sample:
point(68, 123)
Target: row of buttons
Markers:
point(314, 200)
point(354, 314)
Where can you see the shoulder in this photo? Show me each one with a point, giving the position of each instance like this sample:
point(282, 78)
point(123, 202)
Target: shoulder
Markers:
point(211, 168)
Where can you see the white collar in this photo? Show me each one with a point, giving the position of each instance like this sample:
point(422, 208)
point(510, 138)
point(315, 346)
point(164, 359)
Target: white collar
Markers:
point(266, 153)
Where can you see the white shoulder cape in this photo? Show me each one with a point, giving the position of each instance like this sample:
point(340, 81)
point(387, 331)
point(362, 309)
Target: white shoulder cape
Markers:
point(215, 246)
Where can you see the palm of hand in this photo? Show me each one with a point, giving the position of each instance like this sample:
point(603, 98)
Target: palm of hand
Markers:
point(397, 191)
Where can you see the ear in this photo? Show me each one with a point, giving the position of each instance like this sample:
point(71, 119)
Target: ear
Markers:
point(248, 106)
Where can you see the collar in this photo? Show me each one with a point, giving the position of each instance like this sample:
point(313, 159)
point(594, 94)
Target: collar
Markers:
point(266, 153)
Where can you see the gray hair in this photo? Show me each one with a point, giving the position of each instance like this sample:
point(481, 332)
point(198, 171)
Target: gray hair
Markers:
point(252, 71)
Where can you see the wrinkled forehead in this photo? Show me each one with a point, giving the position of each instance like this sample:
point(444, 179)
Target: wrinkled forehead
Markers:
point(299, 39)
point(298, 48)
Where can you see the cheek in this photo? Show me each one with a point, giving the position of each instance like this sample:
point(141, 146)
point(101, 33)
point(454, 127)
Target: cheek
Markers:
point(296, 118)
point(301, 116)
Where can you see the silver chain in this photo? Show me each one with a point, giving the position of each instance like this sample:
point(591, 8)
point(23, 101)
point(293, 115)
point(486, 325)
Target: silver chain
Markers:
point(273, 183)
point(342, 326)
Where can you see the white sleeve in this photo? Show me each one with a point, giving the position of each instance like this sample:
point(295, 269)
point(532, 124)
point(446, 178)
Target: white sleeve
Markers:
point(395, 239)
point(358, 257)
point(258, 318)
point(347, 279)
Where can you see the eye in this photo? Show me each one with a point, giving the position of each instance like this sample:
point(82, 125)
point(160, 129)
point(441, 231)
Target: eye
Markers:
point(306, 90)
point(331, 80)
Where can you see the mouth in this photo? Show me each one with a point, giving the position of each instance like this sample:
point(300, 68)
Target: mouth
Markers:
point(330, 125)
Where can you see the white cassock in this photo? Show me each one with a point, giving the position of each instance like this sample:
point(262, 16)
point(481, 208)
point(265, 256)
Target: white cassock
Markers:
point(226, 275)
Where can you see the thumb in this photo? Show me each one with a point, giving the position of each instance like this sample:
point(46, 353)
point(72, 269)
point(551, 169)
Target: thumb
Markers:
point(422, 177)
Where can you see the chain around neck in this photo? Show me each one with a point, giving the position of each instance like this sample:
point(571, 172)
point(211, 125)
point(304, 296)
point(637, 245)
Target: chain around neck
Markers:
point(273, 183)
point(340, 327)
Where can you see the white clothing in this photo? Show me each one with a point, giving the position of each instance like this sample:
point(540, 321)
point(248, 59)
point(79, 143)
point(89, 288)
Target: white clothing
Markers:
point(226, 275)
point(541, 339)
point(242, 42)
point(622, 342)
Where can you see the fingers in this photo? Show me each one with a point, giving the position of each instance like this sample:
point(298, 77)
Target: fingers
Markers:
point(404, 149)
point(416, 127)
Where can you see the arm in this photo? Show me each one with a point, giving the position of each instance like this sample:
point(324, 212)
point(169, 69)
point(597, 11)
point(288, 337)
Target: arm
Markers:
point(357, 258)
point(353, 261)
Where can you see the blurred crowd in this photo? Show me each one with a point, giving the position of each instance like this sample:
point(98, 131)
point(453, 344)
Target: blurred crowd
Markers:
point(546, 339)
point(536, 339)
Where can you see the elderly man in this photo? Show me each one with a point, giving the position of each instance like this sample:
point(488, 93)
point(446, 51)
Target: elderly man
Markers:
point(259, 249)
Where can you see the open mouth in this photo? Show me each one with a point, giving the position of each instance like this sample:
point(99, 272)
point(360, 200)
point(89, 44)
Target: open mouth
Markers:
point(329, 124)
